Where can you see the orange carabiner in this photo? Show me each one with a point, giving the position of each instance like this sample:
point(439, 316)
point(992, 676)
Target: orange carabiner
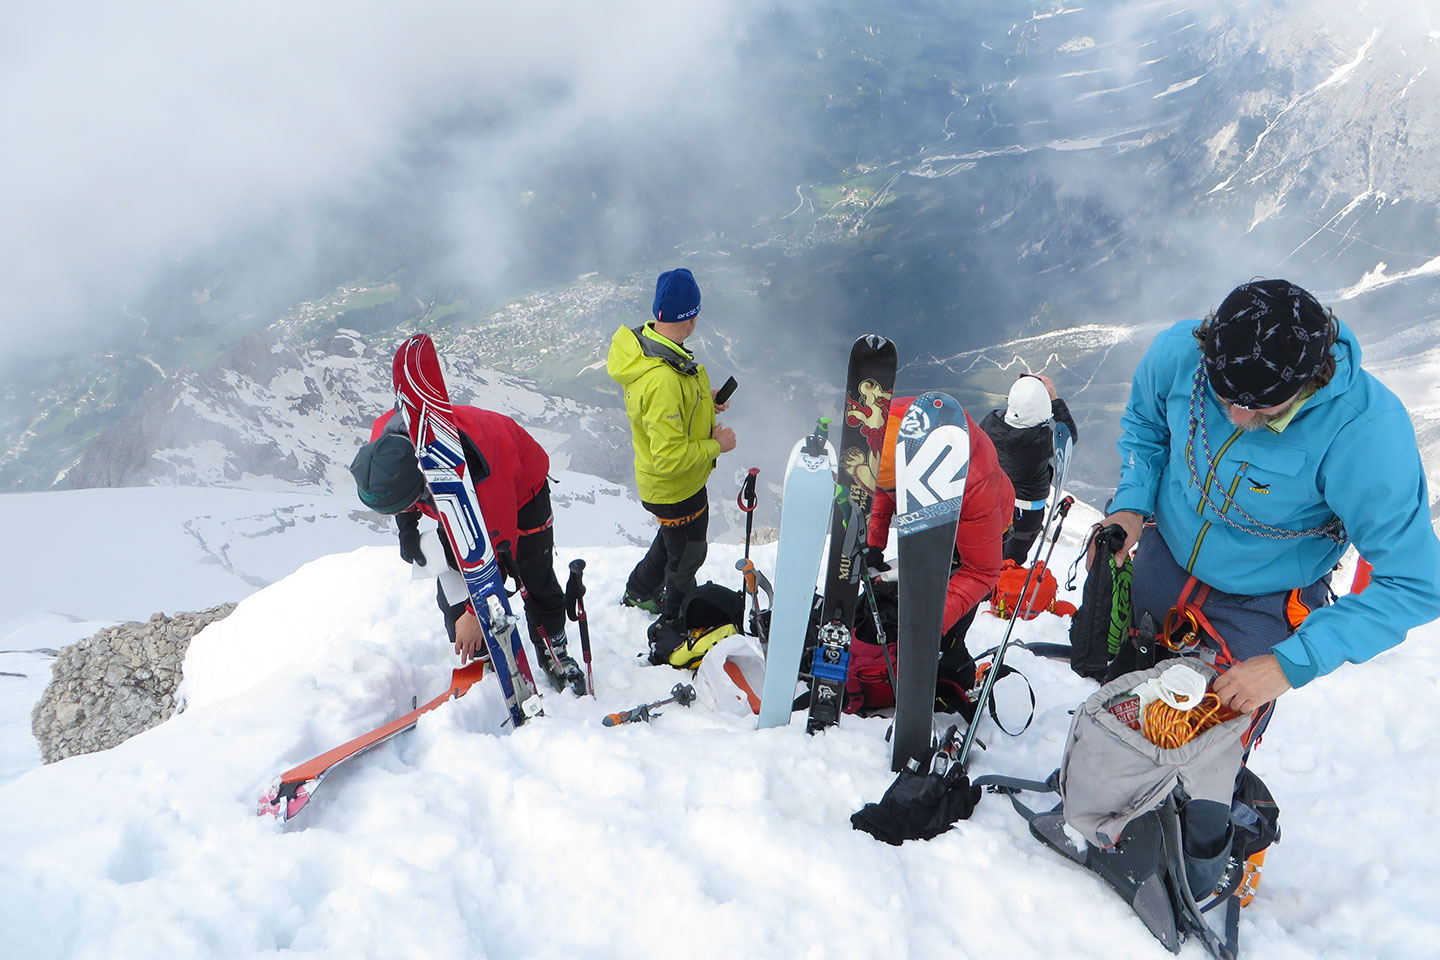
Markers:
point(1180, 631)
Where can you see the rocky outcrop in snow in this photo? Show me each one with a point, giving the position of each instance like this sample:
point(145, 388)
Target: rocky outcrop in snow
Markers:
point(115, 684)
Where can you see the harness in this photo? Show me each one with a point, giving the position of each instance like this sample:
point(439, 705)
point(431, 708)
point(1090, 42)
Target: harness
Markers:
point(681, 521)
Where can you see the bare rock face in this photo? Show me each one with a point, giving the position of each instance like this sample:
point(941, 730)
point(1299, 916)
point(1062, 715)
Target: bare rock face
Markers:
point(110, 686)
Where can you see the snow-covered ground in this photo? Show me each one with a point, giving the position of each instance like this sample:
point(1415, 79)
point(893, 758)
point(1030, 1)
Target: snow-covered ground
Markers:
point(694, 835)
point(80, 560)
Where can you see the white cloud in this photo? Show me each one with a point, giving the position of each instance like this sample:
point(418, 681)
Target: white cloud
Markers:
point(136, 134)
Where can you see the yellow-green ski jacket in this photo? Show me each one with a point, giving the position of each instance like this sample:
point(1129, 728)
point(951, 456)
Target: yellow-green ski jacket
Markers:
point(671, 411)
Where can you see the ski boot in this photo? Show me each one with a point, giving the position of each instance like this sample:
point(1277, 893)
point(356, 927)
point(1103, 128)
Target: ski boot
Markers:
point(562, 670)
point(648, 604)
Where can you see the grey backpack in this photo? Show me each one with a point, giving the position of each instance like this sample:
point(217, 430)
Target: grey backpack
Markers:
point(1156, 824)
point(1111, 774)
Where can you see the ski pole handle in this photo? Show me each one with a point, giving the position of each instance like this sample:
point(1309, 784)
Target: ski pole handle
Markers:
point(575, 610)
point(681, 693)
point(575, 590)
point(745, 499)
point(747, 570)
point(640, 714)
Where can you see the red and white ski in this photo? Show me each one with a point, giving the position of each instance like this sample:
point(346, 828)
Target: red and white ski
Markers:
point(293, 789)
point(424, 402)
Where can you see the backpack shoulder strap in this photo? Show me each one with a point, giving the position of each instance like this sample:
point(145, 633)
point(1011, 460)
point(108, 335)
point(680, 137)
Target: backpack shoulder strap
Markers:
point(1012, 787)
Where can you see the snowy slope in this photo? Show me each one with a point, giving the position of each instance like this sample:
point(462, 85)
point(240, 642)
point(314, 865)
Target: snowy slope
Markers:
point(170, 549)
point(694, 835)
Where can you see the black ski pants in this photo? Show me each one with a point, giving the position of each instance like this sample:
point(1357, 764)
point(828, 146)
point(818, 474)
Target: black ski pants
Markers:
point(1021, 535)
point(955, 660)
point(534, 556)
point(676, 553)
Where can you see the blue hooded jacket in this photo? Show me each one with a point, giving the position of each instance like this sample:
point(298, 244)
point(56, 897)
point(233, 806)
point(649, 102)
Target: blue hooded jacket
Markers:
point(1349, 452)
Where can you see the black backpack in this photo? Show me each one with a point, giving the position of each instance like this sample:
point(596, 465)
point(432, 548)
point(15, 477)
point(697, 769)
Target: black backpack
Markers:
point(708, 614)
point(1103, 620)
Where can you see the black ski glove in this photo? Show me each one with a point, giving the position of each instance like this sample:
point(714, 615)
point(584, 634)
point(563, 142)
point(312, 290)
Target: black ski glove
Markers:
point(875, 560)
point(919, 805)
point(409, 530)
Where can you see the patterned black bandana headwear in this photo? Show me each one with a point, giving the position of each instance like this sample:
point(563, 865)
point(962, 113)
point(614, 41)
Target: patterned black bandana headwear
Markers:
point(1267, 340)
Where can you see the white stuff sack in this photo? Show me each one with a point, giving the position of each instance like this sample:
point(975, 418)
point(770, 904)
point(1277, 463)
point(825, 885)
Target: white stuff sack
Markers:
point(731, 676)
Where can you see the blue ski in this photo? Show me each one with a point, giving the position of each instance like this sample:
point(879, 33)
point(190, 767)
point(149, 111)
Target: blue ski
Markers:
point(804, 520)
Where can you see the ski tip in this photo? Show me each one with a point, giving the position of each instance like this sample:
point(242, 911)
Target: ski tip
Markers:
point(269, 804)
point(282, 804)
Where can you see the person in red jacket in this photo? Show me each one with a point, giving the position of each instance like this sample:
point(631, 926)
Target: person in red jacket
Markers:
point(975, 566)
point(511, 484)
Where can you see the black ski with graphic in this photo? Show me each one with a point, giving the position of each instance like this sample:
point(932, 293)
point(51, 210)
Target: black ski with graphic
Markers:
point(932, 460)
point(868, 387)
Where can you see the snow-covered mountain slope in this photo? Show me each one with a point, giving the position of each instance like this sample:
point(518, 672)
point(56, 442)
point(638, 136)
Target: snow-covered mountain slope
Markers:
point(286, 410)
point(85, 559)
point(694, 833)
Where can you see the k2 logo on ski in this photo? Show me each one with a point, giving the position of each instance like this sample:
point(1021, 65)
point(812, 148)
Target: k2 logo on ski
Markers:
point(936, 471)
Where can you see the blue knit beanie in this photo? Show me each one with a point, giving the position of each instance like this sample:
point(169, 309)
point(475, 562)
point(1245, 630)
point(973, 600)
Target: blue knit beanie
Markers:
point(677, 296)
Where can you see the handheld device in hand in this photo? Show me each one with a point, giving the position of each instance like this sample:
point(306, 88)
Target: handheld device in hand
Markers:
point(723, 394)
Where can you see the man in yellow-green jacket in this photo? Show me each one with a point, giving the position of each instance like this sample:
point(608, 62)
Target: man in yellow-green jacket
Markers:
point(671, 409)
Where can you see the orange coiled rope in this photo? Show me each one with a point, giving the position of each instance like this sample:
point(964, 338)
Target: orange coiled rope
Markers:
point(1167, 727)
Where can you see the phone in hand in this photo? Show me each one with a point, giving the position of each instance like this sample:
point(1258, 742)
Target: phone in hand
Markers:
point(723, 394)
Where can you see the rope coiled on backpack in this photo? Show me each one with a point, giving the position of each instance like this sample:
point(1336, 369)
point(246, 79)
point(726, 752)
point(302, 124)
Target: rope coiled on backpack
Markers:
point(1165, 726)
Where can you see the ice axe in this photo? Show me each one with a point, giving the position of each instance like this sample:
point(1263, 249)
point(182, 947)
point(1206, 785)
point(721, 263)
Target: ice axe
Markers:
point(681, 693)
point(575, 610)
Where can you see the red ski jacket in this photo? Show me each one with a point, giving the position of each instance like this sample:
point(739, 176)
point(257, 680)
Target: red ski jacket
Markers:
point(518, 466)
point(985, 513)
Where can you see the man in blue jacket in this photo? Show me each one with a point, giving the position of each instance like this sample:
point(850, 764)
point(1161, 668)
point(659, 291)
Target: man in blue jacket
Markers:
point(1260, 447)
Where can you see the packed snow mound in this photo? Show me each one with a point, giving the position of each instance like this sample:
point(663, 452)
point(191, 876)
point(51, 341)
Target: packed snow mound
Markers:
point(694, 833)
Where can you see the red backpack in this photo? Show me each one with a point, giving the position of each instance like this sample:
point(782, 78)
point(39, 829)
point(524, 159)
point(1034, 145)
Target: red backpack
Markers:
point(1040, 598)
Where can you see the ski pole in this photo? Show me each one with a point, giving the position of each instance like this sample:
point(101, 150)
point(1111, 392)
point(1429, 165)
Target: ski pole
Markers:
point(681, 693)
point(575, 610)
point(880, 631)
point(1028, 603)
point(746, 501)
point(1063, 508)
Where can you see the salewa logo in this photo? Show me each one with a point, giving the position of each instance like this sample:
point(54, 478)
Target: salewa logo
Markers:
point(1257, 487)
